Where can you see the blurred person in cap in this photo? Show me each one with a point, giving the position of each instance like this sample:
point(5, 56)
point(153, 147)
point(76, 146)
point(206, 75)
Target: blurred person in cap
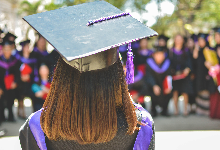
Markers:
point(162, 42)
point(159, 80)
point(88, 105)
point(28, 73)
point(191, 42)
point(181, 67)
point(11, 37)
point(203, 79)
point(9, 77)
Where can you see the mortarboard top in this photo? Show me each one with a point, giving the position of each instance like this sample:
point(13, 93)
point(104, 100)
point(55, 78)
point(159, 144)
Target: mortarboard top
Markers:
point(23, 43)
point(203, 35)
point(163, 37)
point(67, 30)
point(10, 35)
point(217, 29)
point(6, 41)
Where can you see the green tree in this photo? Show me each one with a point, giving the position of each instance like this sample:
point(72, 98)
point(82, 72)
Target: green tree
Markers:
point(27, 8)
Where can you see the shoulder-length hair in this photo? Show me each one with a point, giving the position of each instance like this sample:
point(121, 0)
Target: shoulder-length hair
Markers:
point(82, 106)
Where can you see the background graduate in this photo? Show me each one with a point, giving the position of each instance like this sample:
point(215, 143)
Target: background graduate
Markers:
point(88, 105)
point(159, 80)
point(28, 73)
point(10, 77)
point(181, 67)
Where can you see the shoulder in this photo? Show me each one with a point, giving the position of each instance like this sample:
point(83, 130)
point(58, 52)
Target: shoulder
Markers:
point(143, 115)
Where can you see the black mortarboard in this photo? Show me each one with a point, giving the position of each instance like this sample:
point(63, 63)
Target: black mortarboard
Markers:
point(87, 29)
point(23, 43)
point(194, 37)
point(159, 48)
point(6, 41)
point(203, 35)
point(217, 29)
point(10, 35)
point(163, 37)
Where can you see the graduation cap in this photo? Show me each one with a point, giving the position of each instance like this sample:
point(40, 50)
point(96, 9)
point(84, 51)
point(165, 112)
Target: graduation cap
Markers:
point(6, 41)
point(87, 35)
point(217, 29)
point(8, 35)
point(203, 35)
point(194, 37)
point(159, 48)
point(23, 43)
point(165, 38)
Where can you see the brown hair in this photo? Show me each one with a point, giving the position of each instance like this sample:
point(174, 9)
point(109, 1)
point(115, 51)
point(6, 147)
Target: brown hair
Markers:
point(82, 106)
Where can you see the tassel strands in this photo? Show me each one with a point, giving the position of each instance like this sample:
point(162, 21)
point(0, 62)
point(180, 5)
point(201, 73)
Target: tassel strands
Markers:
point(129, 66)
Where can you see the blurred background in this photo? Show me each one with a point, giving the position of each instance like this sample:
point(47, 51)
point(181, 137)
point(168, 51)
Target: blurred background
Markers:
point(187, 115)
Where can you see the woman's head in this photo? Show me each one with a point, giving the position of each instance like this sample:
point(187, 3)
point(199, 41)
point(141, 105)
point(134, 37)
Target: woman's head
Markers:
point(44, 71)
point(7, 50)
point(143, 43)
point(41, 43)
point(26, 48)
point(159, 57)
point(217, 37)
point(179, 40)
point(202, 42)
point(82, 106)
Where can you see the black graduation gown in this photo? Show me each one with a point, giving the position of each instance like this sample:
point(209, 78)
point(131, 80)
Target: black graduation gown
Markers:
point(179, 61)
point(9, 67)
point(155, 76)
point(203, 80)
point(25, 87)
point(121, 141)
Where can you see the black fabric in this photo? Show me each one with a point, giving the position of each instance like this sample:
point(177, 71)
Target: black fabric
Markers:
point(27, 139)
point(154, 78)
point(121, 141)
point(152, 142)
point(179, 63)
point(202, 78)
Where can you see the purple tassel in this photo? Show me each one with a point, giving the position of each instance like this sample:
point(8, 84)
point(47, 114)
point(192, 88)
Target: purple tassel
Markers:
point(129, 66)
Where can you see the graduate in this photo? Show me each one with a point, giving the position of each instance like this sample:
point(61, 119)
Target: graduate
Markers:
point(28, 73)
point(181, 67)
point(191, 42)
point(88, 105)
point(159, 80)
point(11, 37)
point(9, 76)
point(217, 41)
point(162, 42)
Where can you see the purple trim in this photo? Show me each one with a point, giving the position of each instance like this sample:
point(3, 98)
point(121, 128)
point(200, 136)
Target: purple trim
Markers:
point(148, 52)
point(91, 22)
point(145, 133)
point(28, 60)
point(129, 66)
point(6, 65)
point(44, 53)
point(179, 52)
point(37, 131)
point(138, 77)
point(156, 68)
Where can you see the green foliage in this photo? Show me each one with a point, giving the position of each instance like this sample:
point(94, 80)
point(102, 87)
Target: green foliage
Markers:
point(52, 6)
point(28, 8)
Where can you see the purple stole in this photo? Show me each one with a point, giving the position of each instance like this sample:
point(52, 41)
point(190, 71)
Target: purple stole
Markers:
point(44, 53)
point(142, 141)
point(6, 65)
point(156, 68)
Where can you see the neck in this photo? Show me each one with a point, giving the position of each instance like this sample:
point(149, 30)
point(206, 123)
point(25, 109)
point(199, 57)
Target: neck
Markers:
point(44, 78)
point(26, 55)
point(178, 47)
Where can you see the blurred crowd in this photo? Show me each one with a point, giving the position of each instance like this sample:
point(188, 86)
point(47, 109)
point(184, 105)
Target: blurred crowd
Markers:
point(24, 73)
point(189, 68)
